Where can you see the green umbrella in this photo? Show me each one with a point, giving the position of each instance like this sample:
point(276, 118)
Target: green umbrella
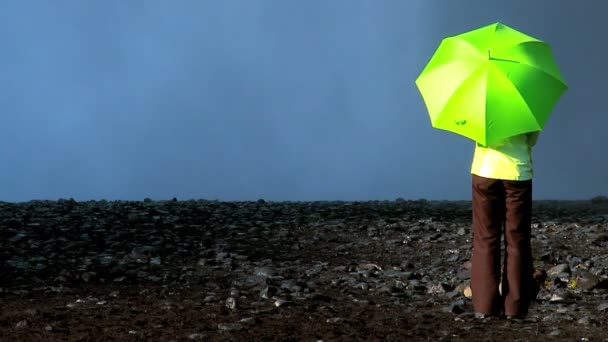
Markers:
point(491, 83)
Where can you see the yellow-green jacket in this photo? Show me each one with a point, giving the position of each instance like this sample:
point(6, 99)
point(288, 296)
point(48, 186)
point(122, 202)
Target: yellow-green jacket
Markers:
point(511, 159)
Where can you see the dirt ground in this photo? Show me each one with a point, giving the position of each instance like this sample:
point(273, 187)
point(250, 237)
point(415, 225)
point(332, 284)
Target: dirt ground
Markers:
point(265, 271)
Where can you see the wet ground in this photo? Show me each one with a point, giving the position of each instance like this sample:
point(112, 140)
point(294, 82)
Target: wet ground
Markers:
point(284, 271)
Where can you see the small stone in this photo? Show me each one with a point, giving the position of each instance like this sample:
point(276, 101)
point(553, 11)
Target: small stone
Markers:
point(561, 268)
point(563, 276)
point(231, 303)
point(586, 281)
point(399, 285)
point(584, 321)
point(247, 320)
point(457, 307)
point(340, 268)
point(210, 298)
point(268, 292)
point(370, 267)
point(560, 297)
point(230, 326)
point(279, 302)
point(461, 231)
point(453, 258)
point(222, 256)
point(291, 285)
point(603, 307)
point(265, 271)
point(87, 276)
point(555, 332)
point(31, 312)
point(396, 274)
point(406, 265)
point(384, 290)
point(17, 237)
point(437, 289)
point(22, 324)
point(361, 286)
point(551, 318)
point(413, 283)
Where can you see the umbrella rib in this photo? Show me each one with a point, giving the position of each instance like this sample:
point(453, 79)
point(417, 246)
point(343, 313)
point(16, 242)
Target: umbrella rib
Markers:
point(531, 43)
point(505, 60)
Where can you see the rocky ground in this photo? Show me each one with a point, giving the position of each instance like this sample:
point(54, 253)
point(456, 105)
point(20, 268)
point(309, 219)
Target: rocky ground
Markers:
point(277, 271)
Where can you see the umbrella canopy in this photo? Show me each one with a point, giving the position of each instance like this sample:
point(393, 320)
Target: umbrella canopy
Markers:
point(490, 84)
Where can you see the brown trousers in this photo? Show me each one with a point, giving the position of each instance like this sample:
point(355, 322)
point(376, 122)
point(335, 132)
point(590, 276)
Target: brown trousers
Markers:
point(496, 202)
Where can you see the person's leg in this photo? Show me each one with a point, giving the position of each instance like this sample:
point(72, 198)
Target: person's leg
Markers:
point(517, 284)
point(488, 216)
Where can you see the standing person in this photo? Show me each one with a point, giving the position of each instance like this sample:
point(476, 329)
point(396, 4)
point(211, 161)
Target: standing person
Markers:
point(502, 194)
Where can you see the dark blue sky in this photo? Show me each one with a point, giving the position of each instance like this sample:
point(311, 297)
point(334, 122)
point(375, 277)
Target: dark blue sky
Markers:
point(274, 99)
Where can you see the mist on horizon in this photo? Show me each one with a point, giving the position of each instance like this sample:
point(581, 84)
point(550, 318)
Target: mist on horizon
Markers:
point(273, 99)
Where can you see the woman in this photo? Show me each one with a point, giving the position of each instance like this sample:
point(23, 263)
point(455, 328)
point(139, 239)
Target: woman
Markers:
point(502, 193)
